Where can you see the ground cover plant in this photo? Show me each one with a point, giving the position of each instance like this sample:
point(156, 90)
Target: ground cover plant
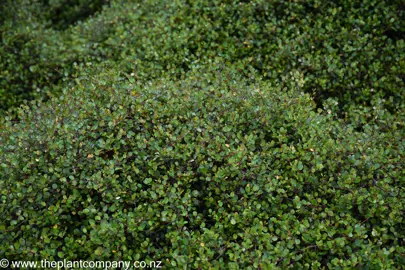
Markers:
point(205, 134)
point(353, 52)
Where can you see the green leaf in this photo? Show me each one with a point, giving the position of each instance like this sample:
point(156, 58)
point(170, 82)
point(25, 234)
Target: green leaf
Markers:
point(147, 180)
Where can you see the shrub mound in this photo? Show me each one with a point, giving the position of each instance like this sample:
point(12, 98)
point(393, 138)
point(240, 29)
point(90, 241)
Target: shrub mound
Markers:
point(350, 51)
point(206, 134)
point(219, 170)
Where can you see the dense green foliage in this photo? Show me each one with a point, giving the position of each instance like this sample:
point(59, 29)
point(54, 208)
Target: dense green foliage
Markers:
point(346, 50)
point(206, 134)
point(206, 171)
point(35, 58)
